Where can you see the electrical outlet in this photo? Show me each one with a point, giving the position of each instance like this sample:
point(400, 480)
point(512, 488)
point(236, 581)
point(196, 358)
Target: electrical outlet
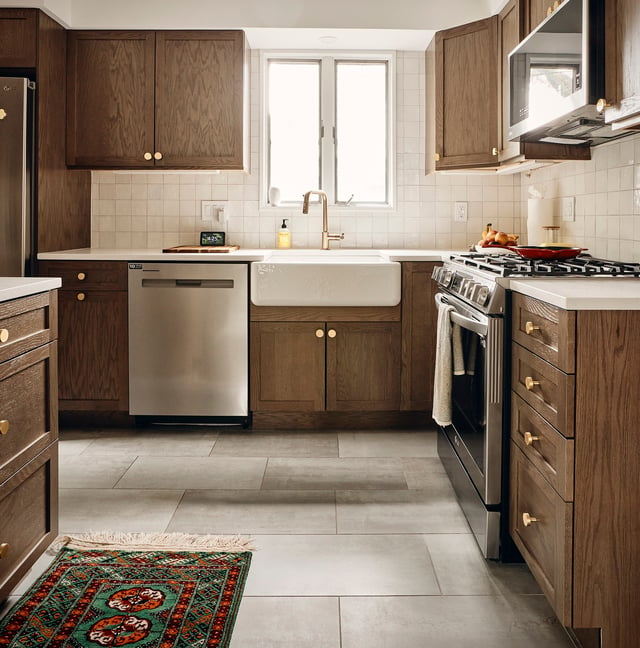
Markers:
point(569, 208)
point(210, 210)
point(460, 212)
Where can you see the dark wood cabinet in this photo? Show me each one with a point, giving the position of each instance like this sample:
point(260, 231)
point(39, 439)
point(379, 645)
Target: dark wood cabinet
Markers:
point(28, 434)
point(93, 344)
point(171, 99)
point(18, 38)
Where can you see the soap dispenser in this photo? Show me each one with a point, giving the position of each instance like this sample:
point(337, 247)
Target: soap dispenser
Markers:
point(284, 235)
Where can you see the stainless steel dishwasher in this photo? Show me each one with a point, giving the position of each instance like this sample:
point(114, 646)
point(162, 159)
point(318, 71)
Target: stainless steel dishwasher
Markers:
point(188, 340)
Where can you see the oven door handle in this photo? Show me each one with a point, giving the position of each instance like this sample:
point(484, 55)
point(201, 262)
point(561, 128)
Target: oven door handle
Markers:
point(462, 321)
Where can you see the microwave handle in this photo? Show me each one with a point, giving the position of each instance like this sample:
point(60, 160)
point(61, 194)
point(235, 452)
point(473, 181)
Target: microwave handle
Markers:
point(462, 321)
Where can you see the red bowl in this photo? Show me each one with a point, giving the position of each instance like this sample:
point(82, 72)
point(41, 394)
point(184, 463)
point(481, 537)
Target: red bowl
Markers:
point(548, 253)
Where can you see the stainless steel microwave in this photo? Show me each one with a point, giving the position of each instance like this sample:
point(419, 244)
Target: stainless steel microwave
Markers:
point(556, 76)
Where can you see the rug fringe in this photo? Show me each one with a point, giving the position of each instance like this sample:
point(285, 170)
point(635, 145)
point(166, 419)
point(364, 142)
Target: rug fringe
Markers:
point(150, 541)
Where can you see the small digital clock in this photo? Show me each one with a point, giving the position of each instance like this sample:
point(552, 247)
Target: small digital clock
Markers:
point(212, 238)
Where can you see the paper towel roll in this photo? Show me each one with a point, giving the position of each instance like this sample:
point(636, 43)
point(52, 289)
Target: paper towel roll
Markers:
point(539, 215)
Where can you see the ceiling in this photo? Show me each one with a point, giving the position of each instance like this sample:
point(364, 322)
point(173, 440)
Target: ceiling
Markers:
point(280, 24)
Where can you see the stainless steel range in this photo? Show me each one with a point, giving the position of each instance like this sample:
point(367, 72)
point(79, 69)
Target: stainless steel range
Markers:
point(473, 440)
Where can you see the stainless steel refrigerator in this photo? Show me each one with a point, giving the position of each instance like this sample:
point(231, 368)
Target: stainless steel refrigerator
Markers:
point(16, 192)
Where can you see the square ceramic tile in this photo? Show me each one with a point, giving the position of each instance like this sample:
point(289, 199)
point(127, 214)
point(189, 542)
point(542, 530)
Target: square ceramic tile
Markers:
point(194, 472)
point(334, 474)
point(341, 565)
point(89, 471)
point(287, 622)
point(255, 512)
point(276, 444)
point(388, 443)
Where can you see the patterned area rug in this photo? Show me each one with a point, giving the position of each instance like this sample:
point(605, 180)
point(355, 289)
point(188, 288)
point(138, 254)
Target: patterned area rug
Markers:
point(145, 598)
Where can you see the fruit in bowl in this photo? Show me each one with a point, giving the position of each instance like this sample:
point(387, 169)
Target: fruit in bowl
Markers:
point(498, 238)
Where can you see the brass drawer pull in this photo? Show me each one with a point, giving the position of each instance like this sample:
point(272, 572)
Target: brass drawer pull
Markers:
point(319, 333)
point(157, 155)
point(528, 519)
point(4, 426)
point(4, 549)
point(147, 156)
point(332, 333)
point(81, 296)
point(530, 327)
point(494, 151)
point(530, 383)
point(4, 335)
point(81, 276)
point(529, 438)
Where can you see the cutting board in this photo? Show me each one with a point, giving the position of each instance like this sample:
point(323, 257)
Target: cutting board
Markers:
point(195, 249)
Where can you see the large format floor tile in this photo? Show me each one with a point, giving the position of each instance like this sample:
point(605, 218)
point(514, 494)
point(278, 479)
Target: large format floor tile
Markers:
point(255, 512)
point(410, 511)
point(129, 510)
point(387, 443)
point(194, 472)
point(287, 622)
point(334, 474)
point(451, 622)
point(276, 444)
point(339, 565)
point(89, 471)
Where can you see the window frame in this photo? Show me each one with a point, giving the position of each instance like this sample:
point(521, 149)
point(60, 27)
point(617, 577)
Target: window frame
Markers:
point(328, 60)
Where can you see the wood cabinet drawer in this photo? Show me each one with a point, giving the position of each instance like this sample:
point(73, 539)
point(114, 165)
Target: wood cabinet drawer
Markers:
point(548, 331)
point(545, 539)
point(548, 390)
point(544, 446)
point(27, 323)
point(29, 514)
point(87, 275)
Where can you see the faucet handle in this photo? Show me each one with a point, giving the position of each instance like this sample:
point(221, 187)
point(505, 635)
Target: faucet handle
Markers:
point(336, 237)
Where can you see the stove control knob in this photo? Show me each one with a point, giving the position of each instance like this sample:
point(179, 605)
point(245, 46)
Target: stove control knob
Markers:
point(482, 295)
point(446, 277)
point(470, 289)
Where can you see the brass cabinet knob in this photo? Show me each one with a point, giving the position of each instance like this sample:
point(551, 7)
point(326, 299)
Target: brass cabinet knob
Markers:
point(81, 296)
point(332, 333)
point(530, 327)
point(529, 438)
point(528, 519)
point(549, 11)
point(157, 155)
point(81, 276)
point(319, 333)
point(601, 104)
point(4, 549)
point(4, 426)
point(494, 151)
point(436, 157)
point(530, 383)
point(148, 156)
point(4, 335)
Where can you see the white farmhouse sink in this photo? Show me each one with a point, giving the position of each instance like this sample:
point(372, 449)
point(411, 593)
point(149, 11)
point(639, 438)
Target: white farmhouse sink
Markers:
point(325, 278)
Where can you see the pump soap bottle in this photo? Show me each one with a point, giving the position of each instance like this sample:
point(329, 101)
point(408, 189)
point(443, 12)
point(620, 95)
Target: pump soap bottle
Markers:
point(284, 235)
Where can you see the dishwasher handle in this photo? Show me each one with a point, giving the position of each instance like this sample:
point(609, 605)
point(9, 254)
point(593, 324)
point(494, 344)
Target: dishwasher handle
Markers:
point(187, 283)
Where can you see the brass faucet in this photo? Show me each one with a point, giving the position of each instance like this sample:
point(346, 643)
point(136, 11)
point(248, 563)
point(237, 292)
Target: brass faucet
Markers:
point(326, 237)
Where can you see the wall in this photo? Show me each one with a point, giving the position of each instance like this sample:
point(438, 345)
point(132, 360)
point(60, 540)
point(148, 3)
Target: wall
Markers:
point(607, 199)
point(154, 210)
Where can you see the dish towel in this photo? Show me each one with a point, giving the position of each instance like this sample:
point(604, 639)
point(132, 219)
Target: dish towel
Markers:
point(442, 381)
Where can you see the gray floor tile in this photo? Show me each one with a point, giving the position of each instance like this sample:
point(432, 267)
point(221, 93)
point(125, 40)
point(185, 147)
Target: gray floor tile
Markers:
point(276, 444)
point(283, 622)
point(84, 510)
point(251, 512)
point(460, 567)
point(387, 443)
point(72, 442)
point(338, 565)
point(88, 471)
point(195, 472)
point(168, 442)
point(454, 622)
point(334, 474)
point(426, 472)
point(411, 511)
point(512, 579)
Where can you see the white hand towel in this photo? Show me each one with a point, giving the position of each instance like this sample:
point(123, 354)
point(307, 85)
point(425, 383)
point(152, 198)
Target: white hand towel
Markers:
point(442, 381)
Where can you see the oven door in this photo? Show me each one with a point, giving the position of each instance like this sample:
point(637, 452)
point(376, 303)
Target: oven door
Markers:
point(477, 399)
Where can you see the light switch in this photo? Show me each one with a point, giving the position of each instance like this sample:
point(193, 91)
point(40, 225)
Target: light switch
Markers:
point(569, 208)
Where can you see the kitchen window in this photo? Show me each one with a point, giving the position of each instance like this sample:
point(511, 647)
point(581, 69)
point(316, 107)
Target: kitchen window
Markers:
point(327, 124)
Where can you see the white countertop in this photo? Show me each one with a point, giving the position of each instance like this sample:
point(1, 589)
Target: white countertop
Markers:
point(14, 287)
point(582, 293)
point(96, 254)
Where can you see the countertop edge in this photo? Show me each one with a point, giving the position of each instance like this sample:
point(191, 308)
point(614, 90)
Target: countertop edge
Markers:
point(16, 287)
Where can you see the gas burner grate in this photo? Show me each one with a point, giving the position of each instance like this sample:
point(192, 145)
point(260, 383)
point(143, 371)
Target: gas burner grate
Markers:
point(584, 265)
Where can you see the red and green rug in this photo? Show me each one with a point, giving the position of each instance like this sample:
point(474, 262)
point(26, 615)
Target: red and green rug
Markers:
point(148, 598)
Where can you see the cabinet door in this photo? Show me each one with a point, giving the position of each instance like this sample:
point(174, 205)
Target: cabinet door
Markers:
point(363, 366)
point(287, 366)
point(467, 95)
point(18, 38)
point(93, 341)
point(535, 13)
point(110, 99)
point(199, 99)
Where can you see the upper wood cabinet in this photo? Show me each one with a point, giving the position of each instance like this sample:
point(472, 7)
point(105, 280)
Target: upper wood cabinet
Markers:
point(535, 11)
point(172, 99)
point(18, 38)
